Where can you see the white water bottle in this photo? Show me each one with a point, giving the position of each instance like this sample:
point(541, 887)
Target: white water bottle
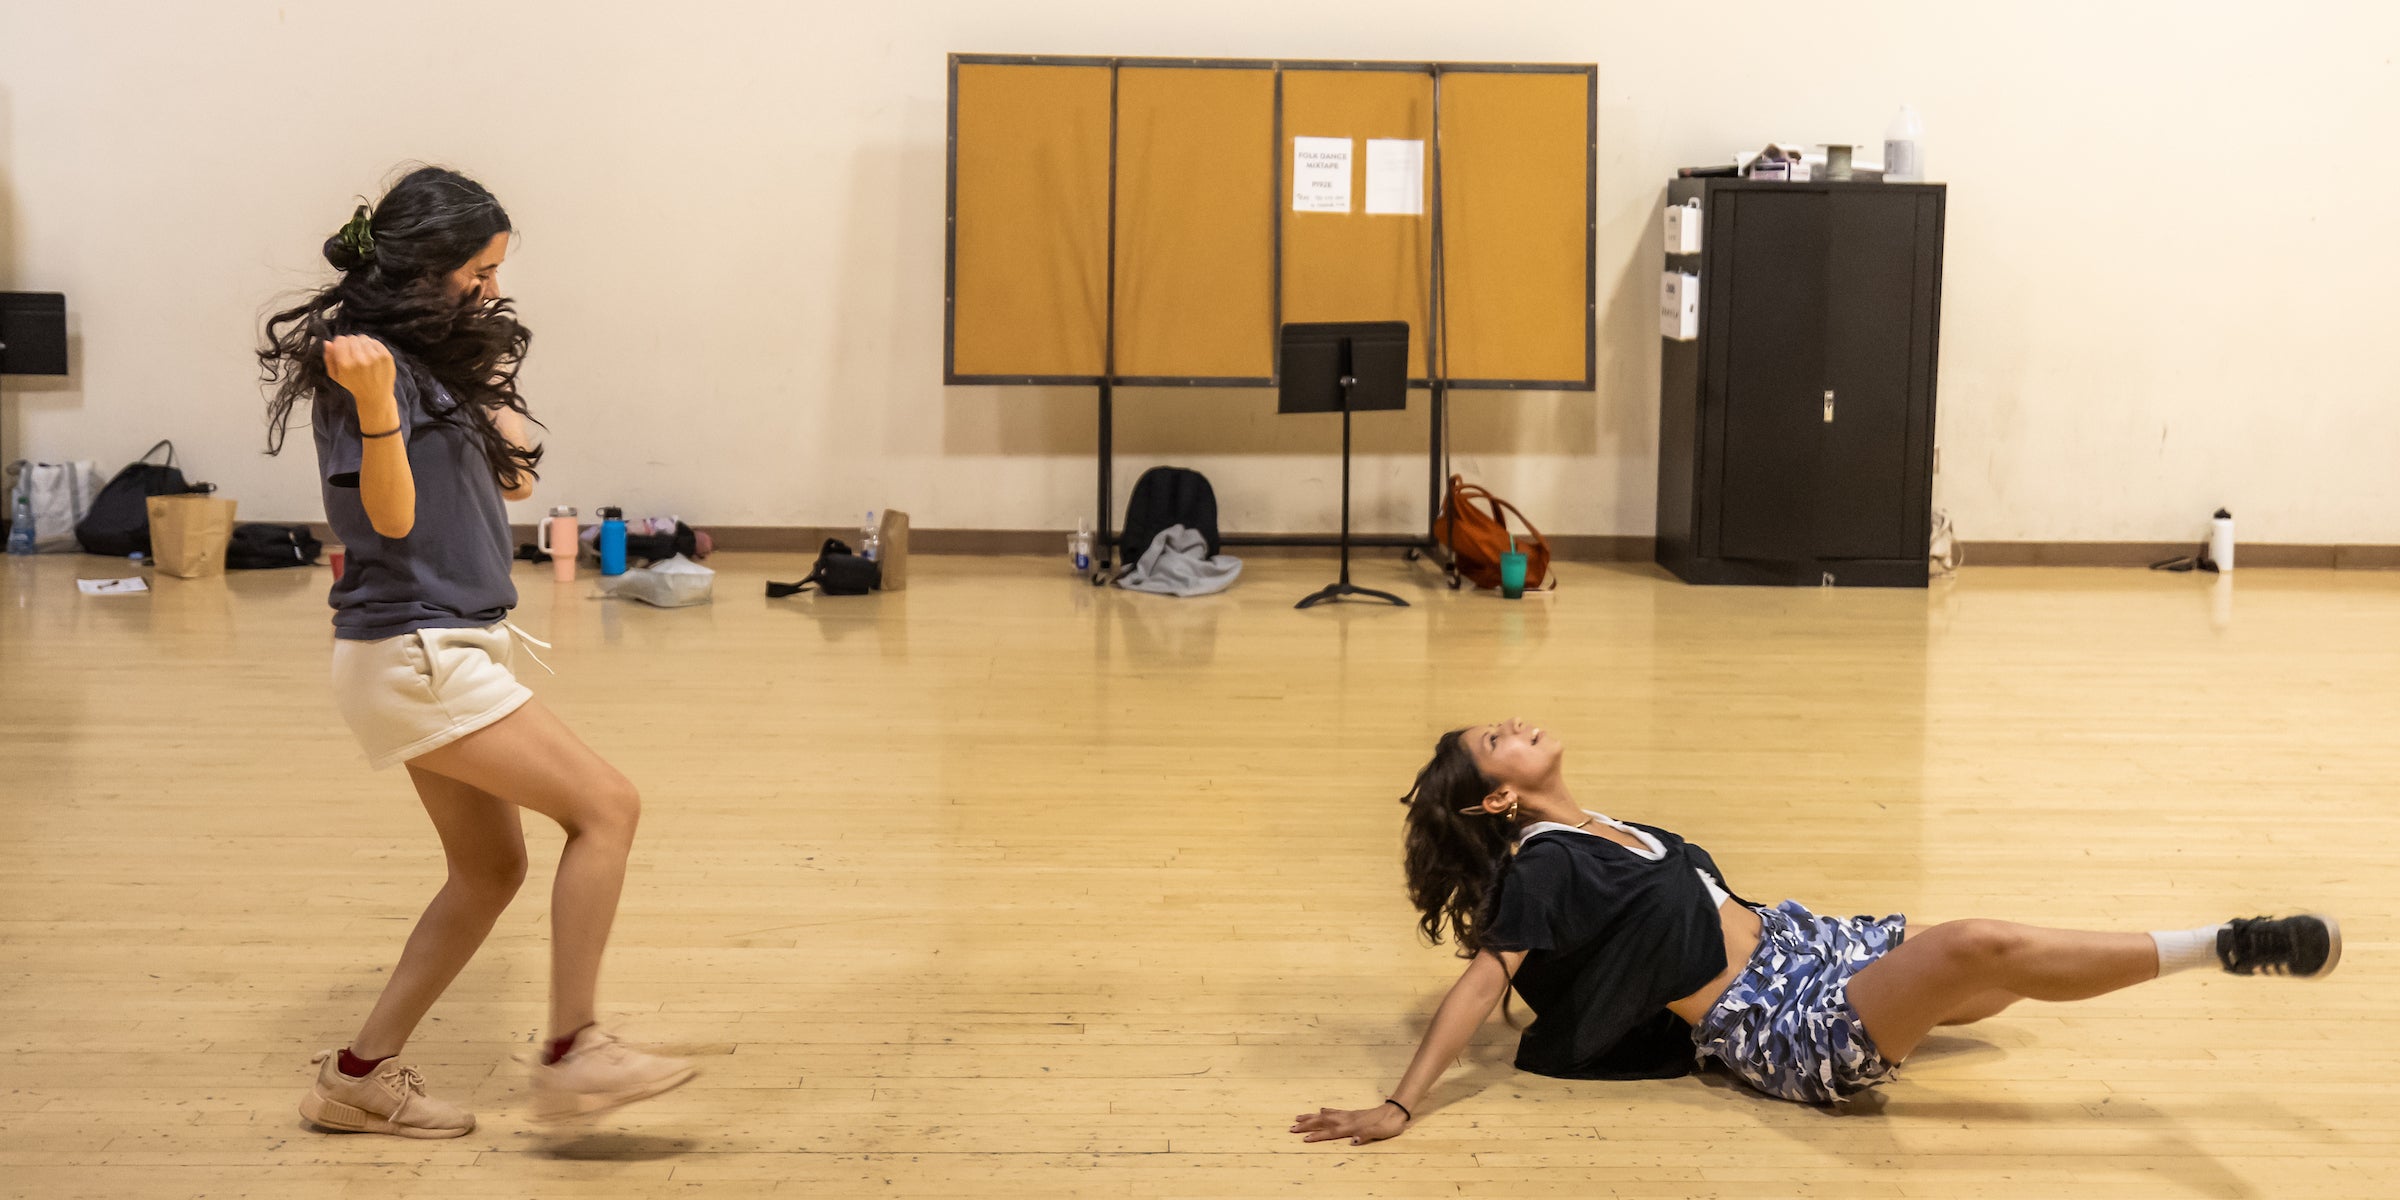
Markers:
point(2220, 540)
point(1904, 147)
point(870, 539)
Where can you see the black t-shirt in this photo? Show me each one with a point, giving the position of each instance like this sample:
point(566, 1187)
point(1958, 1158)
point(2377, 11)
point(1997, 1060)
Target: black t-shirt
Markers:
point(1611, 937)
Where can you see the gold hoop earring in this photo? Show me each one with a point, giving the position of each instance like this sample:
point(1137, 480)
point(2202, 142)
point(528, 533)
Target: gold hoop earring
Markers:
point(1512, 808)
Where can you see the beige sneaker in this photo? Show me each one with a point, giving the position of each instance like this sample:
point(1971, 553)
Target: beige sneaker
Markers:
point(392, 1100)
point(600, 1073)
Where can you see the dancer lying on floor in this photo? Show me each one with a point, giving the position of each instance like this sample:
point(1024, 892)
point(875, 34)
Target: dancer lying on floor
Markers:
point(1639, 961)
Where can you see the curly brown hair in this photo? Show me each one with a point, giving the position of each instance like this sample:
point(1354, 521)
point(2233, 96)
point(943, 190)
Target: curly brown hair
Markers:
point(393, 266)
point(1454, 859)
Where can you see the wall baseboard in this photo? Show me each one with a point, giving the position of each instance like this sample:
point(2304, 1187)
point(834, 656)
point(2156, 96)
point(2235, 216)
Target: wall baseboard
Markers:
point(2142, 554)
point(807, 539)
point(1591, 548)
point(803, 539)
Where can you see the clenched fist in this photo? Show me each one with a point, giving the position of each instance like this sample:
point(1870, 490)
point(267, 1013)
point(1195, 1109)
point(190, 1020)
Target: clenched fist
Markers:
point(360, 364)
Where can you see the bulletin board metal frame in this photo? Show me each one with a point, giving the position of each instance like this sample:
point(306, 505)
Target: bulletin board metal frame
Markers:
point(1434, 380)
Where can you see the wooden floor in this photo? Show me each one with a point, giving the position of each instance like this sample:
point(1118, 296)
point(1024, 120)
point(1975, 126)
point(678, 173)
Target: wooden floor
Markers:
point(1005, 886)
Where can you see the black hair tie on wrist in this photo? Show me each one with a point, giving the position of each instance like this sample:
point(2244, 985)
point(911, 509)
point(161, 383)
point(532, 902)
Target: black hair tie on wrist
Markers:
point(1405, 1115)
point(386, 433)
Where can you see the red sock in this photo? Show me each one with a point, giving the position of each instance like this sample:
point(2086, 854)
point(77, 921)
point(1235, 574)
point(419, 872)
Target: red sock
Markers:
point(359, 1068)
point(559, 1047)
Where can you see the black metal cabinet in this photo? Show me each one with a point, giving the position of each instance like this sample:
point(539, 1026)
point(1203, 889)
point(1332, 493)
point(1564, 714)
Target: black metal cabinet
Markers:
point(1796, 432)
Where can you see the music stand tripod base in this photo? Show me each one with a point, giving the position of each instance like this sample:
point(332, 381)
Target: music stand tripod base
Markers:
point(1335, 591)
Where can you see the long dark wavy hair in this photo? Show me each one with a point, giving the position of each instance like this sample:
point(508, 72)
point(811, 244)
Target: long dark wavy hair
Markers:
point(393, 264)
point(1454, 859)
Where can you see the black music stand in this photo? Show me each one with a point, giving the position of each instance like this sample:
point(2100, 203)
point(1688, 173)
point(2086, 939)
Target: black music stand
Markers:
point(1344, 367)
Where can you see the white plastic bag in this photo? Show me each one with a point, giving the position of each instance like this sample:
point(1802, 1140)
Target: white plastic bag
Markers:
point(61, 495)
point(675, 583)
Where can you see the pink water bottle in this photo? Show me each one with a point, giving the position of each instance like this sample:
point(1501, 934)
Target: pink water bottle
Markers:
point(560, 538)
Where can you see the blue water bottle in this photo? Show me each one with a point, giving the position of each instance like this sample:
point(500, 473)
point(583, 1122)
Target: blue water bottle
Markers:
point(612, 541)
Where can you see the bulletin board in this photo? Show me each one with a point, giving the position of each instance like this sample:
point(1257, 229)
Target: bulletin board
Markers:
point(1359, 264)
point(1195, 279)
point(1516, 227)
point(1029, 220)
point(1133, 221)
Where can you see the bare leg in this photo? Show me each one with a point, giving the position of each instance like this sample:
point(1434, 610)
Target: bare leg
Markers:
point(486, 848)
point(530, 758)
point(1946, 970)
point(1981, 1008)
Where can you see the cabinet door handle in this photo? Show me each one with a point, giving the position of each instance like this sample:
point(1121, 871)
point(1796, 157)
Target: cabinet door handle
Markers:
point(1829, 406)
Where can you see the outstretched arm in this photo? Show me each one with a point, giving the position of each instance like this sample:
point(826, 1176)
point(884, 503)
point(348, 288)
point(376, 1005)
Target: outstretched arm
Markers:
point(1462, 1012)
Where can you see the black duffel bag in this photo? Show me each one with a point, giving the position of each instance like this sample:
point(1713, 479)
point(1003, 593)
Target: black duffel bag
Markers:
point(259, 547)
point(659, 547)
point(838, 573)
point(119, 523)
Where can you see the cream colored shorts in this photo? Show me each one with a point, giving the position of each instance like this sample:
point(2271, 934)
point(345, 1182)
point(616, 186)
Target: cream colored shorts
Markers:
point(407, 695)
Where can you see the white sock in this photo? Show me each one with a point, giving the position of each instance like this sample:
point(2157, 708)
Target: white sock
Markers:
point(2187, 949)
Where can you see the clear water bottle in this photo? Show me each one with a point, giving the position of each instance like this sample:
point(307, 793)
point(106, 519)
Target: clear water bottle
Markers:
point(870, 539)
point(1079, 547)
point(1904, 147)
point(20, 527)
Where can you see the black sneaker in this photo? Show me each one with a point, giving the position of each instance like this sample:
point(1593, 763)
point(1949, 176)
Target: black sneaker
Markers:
point(2307, 945)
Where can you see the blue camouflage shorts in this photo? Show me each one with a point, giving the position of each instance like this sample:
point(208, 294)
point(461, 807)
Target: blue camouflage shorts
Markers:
point(1785, 1025)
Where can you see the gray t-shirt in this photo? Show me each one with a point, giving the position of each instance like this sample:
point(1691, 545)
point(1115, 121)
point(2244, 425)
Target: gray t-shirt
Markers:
point(451, 571)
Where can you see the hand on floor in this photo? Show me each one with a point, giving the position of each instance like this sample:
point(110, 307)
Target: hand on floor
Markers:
point(1360, 1125)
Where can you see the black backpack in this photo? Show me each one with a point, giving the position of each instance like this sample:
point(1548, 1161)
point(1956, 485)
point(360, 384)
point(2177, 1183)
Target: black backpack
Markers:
point(119, 523)
point(257, 547)
point(838, 572)
point(1164, 497)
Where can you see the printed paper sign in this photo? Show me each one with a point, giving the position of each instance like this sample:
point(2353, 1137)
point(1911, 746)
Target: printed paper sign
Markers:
point(1395, 176)
point(1321, 174)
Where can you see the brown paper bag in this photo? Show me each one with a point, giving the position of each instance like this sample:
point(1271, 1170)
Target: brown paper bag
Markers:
point(188, 534)
point(892, 531)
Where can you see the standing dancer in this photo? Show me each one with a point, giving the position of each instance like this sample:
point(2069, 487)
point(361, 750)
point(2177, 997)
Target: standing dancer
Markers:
point(409, 364)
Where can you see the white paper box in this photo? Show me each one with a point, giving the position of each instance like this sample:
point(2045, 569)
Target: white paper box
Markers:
point(1683, 228)
point(1679, 306)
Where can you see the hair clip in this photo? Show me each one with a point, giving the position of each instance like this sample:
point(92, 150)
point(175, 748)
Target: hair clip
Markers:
point(358, 236)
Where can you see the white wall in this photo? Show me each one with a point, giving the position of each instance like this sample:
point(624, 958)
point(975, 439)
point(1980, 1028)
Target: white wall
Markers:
point(2169, 271)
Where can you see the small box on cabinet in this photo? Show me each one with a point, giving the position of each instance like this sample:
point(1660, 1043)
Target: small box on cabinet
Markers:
point(1679, 305)
point(1683, 228)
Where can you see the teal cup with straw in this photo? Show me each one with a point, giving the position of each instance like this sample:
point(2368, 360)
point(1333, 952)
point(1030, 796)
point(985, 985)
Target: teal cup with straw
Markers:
point(1512, 571)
